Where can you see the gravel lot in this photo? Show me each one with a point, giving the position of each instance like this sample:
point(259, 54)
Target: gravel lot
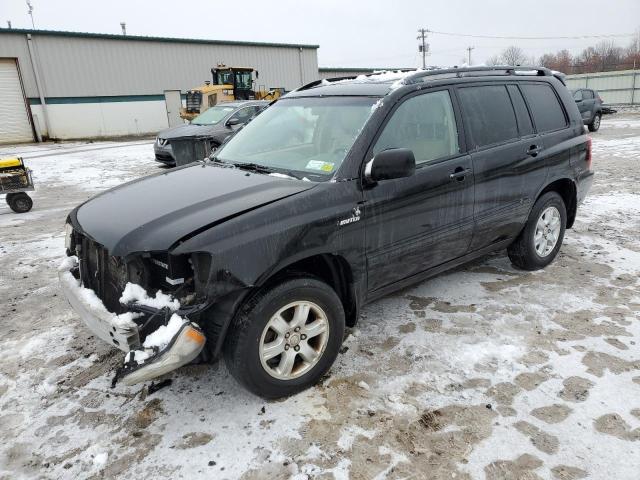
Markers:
point(483, 372)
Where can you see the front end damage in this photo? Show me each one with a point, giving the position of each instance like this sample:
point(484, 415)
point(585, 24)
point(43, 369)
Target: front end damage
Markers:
point(158, 333)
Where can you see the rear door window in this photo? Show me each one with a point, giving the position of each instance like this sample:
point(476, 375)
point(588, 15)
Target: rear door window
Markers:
point(588, 94)
point(525, 126)
point(548, 114)
point(488, 114)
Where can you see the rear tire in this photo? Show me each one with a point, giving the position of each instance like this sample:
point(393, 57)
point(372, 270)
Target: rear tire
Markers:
point(264, 351)
point(594, 126)
point(541, 238)
point(19, 202)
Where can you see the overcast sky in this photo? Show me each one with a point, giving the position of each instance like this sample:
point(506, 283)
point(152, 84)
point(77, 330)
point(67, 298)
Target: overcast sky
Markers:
point(363, 33)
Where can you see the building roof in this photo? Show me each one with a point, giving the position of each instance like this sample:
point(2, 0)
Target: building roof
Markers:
point(109, 36)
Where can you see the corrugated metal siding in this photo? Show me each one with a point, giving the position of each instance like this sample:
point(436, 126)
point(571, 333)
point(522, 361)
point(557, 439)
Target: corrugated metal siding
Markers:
point(614, 87)
point(72, 66)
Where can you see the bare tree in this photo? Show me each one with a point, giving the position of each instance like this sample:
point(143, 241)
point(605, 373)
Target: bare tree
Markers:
point(493, 61)
point(514, 56)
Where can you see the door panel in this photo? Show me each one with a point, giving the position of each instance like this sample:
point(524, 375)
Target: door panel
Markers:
point(419, 222)
point(173, 102)
point(506, 178)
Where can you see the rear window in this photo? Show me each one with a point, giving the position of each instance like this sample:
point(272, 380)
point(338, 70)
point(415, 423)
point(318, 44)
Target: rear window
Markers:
point(488, 114)
point(545, 107)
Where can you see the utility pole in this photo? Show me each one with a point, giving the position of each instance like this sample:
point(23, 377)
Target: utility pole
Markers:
point(424, 46)
point(30, 12)
point(469, 55)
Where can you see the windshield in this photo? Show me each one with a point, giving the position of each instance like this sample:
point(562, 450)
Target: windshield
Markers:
point(308, 136)
point(212, 115)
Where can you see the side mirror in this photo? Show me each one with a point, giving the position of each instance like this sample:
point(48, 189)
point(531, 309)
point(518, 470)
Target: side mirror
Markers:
point(233, 121)
point(390, 164)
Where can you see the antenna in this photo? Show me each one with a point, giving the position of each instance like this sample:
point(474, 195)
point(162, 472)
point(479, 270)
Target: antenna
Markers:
point(123, 25)
point(30, 12)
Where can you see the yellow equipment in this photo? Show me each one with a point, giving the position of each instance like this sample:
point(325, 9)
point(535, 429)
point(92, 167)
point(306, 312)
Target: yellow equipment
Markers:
point(229, 83)
point(15, 181)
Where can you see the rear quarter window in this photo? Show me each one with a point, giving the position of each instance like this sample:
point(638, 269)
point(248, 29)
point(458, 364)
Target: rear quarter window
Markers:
point(488, 114)
point(548, 114)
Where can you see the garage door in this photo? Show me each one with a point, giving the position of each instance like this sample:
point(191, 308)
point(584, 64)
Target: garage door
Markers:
point(14, 121)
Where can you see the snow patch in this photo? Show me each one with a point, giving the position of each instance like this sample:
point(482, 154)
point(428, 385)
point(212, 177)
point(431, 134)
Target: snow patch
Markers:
point(100, 460)
point(137, 295)
point(163, 335)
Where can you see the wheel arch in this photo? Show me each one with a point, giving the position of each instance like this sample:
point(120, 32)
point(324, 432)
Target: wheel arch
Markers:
point(332, 269)
point(567, 189)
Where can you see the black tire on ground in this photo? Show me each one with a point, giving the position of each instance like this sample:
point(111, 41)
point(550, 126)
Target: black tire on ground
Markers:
point(19, 202)
point(594, 126)
point(522, 252)
point(242, 344)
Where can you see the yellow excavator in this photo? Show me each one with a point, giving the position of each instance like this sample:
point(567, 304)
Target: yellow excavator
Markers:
point(229, 83)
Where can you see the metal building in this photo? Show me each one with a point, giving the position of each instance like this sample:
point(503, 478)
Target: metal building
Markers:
point(83, 85)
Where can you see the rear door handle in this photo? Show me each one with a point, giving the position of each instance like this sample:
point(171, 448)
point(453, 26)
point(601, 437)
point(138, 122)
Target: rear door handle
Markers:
point(534, 150)
point(459, 174)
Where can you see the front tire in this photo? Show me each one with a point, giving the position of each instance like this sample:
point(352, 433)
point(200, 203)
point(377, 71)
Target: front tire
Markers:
point(594, 126)
point(285, 337)
point(541, 238)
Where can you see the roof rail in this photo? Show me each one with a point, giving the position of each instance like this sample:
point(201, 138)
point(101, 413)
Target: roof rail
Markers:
point(319, 82)
point(469, 71)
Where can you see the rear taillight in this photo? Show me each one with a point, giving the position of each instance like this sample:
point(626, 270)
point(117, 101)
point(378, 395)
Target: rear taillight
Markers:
point(588, 157)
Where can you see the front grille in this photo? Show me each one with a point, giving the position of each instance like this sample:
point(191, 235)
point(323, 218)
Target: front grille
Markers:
point(106, 274)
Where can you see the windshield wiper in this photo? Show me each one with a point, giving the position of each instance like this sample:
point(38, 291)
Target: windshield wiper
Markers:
point(254, 167)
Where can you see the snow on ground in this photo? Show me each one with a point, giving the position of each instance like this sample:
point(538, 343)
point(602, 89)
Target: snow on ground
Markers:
point(485, 372)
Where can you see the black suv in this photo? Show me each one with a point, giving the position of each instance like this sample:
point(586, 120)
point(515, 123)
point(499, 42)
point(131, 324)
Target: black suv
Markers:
point(339, 193)
point(590, 106)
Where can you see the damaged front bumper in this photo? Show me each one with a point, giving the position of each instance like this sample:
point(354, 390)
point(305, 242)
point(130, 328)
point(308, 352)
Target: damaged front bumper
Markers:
point(118, 330)
point(143, 362)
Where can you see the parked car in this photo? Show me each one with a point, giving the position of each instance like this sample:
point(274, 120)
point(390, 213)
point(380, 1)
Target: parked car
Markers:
point(338, 194)
point(590, 105)
point(218, 122)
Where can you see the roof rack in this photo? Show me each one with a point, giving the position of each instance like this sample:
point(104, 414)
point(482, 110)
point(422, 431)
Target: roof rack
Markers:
point(423, 75)
point(469, 71)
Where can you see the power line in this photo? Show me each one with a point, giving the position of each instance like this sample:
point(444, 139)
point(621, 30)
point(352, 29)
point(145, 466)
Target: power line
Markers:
point(574, 37)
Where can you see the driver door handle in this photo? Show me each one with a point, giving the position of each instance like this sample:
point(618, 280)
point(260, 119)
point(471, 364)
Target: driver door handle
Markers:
point(460, 174)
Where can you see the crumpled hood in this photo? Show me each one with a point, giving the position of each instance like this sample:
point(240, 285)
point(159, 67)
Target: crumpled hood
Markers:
point(187, 130)
point(153, 213)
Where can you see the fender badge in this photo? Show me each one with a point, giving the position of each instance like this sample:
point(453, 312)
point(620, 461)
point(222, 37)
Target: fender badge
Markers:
point(355, 217)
